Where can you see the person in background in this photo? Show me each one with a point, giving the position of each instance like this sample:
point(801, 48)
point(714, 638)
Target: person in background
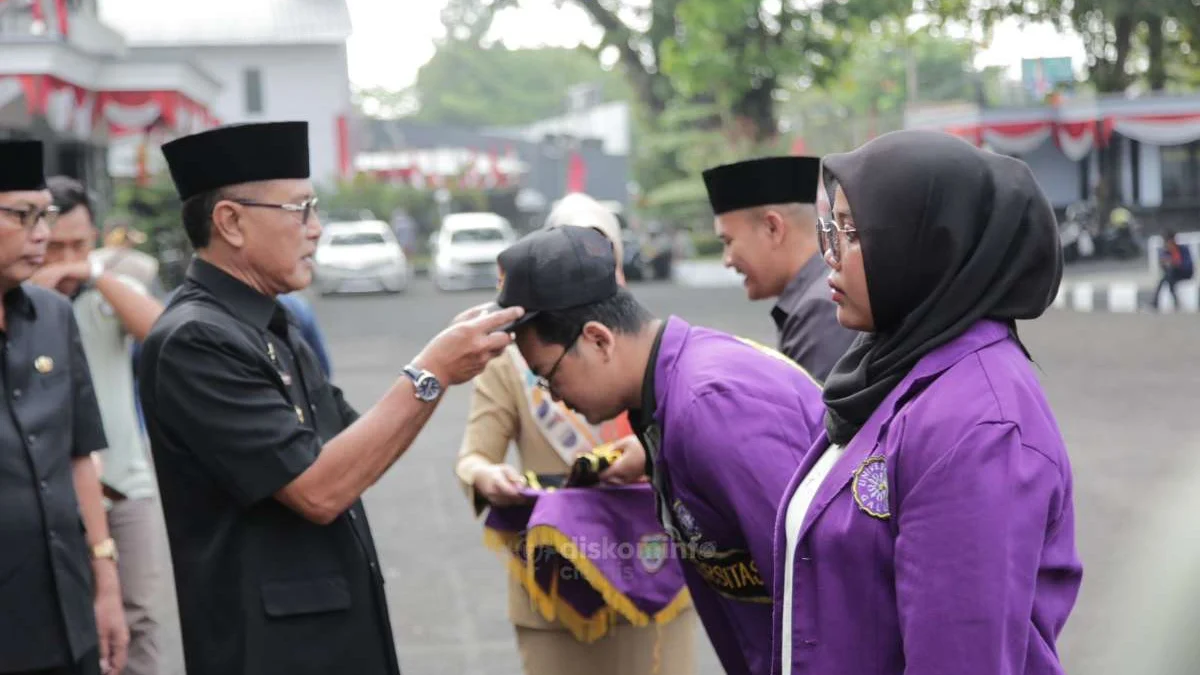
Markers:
point(306, 320)
point(113, 311)
point(509, 406)
point(931, 528)
point(119, 254)
point(1176, 264)
point(60, 600)
point(767, 220)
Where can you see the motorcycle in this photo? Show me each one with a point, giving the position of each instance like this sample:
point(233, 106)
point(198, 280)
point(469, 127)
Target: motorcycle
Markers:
point(1122, 238)
point(1076, 233)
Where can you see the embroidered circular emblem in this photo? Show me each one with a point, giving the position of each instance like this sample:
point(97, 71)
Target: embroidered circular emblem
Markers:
point(652, 551)
point(686, 520)
point(870, 487)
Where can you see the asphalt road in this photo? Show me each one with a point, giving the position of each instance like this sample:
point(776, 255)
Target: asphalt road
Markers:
point(1125, 388)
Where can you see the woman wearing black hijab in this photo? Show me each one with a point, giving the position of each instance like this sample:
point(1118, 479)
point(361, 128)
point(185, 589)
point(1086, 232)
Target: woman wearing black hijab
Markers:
point(931, 529)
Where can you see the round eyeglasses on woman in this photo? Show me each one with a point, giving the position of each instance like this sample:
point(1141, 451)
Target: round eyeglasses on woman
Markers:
point(834, 238)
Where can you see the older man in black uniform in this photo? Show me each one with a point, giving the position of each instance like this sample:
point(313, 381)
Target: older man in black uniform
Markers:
point(60, 601)
point(766, 218)
point(261, 462)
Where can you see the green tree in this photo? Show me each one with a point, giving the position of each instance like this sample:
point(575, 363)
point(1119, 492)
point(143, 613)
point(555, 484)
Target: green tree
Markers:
point(1125, 42)
point(471, 84)
point(872, 87)
point(731, 53)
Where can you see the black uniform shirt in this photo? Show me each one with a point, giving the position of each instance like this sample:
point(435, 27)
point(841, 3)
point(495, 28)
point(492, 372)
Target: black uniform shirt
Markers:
point(237, 407)
point(50, 417)
point(806, 320)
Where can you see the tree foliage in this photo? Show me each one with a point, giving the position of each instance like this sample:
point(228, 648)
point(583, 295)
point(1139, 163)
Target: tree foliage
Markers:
point(732, 53)
point(871, 90)
point(1126, 42)
point(475, 85)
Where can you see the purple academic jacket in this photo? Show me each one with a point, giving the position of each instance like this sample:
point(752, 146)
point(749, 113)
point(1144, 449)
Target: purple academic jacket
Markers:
point(725, 423)
point(952, 549)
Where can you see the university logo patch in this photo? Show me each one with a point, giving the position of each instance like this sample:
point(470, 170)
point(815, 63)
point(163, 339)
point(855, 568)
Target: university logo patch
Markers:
point(653, 550)
point(870, 487)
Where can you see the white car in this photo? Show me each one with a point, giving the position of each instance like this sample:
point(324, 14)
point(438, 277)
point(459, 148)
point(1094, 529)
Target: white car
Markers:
point(466, 248)
point(359, 256)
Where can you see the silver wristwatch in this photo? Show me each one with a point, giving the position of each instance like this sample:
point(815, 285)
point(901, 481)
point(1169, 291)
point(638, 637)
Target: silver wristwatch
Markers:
point(426, 386)
point(95, 268)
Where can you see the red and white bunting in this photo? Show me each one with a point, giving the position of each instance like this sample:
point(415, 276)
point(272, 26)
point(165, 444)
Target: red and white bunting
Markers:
point(75, 112)
point(1015, 139)
point(1160, 129)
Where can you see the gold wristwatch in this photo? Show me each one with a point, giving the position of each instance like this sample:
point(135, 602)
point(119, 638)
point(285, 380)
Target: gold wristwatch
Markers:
point(105, 549)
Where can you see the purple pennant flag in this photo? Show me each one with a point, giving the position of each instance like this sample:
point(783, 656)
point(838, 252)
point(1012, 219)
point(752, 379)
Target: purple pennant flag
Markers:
point(587, 555)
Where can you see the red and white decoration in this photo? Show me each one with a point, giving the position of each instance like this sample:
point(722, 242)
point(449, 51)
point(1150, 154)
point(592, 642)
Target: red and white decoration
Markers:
point(433, 168)
point(1079, 128)
point(75, 112)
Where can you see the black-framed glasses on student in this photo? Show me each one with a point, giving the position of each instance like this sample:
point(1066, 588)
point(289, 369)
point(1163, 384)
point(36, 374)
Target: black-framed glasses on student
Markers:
point(305, 208)
point(831, 236)
point(544, 381)
point(30, 216)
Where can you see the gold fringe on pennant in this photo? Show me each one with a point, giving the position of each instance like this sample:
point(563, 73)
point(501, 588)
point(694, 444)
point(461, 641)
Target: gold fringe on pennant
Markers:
point(549, 606)
point(554, 608)
point(544, 535)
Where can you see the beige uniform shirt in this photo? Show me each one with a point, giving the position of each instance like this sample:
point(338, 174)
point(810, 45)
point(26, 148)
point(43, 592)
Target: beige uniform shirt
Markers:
point(126, 464)
point(499, 415)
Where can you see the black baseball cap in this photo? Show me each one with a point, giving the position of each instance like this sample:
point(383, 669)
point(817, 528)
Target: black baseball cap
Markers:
point(557, 269)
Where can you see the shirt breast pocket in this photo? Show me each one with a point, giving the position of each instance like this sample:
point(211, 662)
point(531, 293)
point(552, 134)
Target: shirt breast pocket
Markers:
point(306, 596)
point(49, 397)
point(50, 374)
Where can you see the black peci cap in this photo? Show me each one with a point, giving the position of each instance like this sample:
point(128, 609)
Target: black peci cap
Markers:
point(235, 154)
point(762, 182)
point(557, 269)
point(21, 166)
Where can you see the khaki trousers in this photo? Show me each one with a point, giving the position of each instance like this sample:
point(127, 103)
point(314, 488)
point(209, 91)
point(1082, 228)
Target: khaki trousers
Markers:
point(135, 525)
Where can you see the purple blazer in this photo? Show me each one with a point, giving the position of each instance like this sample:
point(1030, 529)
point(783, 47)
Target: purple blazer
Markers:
point(943, 541)
point(734, 421)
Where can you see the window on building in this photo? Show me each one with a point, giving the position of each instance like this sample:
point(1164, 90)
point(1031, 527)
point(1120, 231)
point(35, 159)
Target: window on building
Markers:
point(1181, 173)
point(254, 92)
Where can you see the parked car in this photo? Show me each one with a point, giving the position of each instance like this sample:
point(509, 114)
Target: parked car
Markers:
point(359, 255)
point(465, 250)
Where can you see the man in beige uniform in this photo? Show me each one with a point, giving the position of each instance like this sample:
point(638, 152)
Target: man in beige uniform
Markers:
point(509, 406)
point(112, 311)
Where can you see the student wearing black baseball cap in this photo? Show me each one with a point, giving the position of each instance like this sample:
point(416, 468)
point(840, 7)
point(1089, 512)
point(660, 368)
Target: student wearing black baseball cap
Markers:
point(510, 410)
point(568, 267)
point(723, 420)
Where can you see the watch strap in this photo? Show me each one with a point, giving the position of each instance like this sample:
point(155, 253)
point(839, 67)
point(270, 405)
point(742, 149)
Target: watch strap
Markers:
point(105, 549)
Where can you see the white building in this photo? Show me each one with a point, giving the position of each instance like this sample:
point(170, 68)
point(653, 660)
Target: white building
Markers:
point(275, 59)
point(71, 81)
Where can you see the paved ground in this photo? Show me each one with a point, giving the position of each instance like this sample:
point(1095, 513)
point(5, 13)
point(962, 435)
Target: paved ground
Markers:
point(1126, 389)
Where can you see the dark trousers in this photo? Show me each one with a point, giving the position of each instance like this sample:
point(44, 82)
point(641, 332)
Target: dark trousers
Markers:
point(88, 665)
point(1170, 277)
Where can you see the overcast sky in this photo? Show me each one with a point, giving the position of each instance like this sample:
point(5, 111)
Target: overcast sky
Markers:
point(393, 38)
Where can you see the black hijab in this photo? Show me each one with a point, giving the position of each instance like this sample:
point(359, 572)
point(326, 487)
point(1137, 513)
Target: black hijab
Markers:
point(950, 234)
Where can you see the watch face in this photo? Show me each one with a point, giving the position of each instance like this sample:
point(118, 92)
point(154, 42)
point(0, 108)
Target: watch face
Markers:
point(428, 388)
